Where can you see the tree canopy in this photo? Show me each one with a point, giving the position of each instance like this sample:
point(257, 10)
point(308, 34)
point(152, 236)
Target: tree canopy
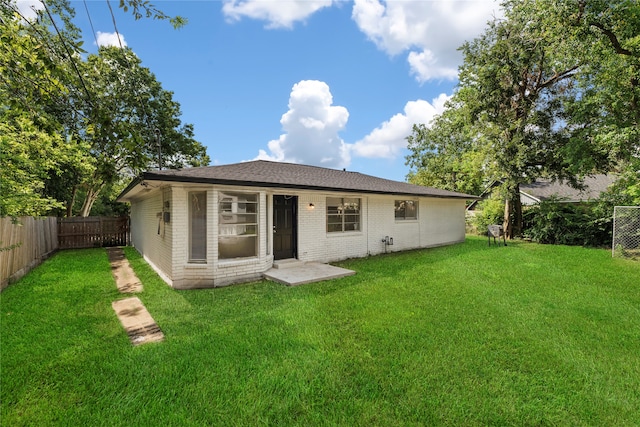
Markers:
point(549, 90)
point(74, 123)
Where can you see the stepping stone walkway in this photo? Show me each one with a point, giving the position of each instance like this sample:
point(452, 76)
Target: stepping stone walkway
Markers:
point(133, 315)
point(137, 321)
point(126, 279)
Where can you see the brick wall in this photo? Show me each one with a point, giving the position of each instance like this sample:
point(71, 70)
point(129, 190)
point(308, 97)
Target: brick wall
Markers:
point(440, 221)
point(150, 235)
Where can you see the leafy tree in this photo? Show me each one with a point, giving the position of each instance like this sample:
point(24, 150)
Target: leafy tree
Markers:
point(25, 160)
point(74, 127)
point(129, 114)
point(608, 113)
point(35, 85)
point(143, 8)
point(526, 104)
point(440, 154)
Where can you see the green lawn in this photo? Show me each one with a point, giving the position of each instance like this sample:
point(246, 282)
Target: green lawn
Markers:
point(462, 335)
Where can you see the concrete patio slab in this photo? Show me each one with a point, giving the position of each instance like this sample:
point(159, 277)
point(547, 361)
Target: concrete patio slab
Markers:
point(293, 273)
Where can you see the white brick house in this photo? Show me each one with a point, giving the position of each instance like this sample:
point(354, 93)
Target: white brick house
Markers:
point(217, 225)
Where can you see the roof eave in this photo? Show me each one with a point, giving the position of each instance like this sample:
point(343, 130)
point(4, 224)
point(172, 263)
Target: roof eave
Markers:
point(122, 196)
point(149, 176)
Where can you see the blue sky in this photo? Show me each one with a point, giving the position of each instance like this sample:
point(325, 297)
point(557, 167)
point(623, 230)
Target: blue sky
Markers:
point(330, 83)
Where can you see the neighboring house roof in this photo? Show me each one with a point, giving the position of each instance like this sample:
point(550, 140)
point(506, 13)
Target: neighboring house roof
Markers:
point(262, 173)
point(544, 189)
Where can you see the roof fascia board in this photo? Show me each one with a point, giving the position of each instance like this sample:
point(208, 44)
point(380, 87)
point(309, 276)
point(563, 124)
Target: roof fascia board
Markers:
point(129, 187)
point(535, 199)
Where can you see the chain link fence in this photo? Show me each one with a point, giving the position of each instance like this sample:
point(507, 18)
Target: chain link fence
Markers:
point(626, 232)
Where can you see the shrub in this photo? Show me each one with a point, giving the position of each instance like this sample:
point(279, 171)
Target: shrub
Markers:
point(557, 222)
point(585, 224)
point(490, 211)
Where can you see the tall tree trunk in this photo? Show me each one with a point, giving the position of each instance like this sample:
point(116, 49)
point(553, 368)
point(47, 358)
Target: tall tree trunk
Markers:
point(90, 199)
point(513, 213)
point(71, 202)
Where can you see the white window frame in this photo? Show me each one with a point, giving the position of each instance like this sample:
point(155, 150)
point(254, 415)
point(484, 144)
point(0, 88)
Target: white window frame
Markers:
point(341, 211)
point(199, 235)
point(236, 224)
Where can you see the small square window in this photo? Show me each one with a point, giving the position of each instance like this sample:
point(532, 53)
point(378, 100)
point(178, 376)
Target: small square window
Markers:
point(343, 214)
point(406, 209)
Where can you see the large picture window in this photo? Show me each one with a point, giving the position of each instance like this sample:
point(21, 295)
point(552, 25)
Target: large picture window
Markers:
point(406, 209)
point(237, 225)
point(198, 227)
point(343, 214)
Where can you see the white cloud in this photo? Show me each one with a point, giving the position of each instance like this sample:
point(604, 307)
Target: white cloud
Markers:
point(389, 139)
point(431, 31)
point(278, 14)
point(424, 66)
point(311, 127)
point(28, 8)
point(110, 39)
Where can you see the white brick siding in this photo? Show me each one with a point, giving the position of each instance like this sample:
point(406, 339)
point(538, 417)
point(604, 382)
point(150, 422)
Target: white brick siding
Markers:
point(440, 222)
point(150, 235)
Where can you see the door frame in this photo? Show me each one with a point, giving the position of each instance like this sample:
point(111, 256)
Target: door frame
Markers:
point(294, 224)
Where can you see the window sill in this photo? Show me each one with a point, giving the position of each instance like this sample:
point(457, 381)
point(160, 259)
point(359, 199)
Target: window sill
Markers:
point(191, 265)
point(344, 233)
point(228, 263)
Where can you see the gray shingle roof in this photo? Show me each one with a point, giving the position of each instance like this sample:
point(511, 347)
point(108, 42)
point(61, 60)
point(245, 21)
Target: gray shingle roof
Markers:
point(594, 185)
point(264, 173)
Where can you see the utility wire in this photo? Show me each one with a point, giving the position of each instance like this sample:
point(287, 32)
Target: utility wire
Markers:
point(115, 27)
point(52, 50)
point(93, 31)
point(64, 44)
point(137, 94)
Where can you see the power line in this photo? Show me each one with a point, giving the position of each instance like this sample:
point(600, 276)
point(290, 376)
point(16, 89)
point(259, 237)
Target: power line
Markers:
point(137, 94)
point(93, 31)
point(64, 44)
point(52, 50)
point(115, 27)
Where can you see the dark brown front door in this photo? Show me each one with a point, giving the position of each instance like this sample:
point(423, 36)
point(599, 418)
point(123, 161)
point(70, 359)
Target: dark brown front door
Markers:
point(284, 226)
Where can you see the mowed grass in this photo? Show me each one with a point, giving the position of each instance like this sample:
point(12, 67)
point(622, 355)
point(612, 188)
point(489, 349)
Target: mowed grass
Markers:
point(461, 335)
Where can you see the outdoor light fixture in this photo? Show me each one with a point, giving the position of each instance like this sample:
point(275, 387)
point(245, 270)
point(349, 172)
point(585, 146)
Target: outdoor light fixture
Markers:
point(311, 206)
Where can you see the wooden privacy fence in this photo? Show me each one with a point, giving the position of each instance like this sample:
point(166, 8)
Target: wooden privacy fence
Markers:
point(24, 245)
point(92, 232)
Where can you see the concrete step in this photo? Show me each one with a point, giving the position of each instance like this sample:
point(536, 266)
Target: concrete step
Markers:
point(307, 272)
point(287, 263)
